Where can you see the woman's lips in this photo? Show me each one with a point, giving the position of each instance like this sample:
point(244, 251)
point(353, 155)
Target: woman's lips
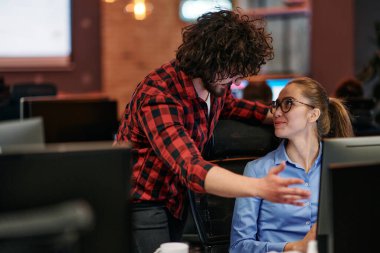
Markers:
point(279, 123)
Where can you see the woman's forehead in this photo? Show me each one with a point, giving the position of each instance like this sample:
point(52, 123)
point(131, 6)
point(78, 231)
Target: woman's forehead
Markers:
point(291, 90)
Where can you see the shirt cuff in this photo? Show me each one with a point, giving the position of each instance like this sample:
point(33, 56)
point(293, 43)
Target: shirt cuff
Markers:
point(198, 174)
point(277, 247)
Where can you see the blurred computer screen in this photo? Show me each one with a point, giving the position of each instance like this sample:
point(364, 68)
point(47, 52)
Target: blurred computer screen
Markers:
point(14, 133)
point(51, 178)
point(73, 119)
point(277, 85)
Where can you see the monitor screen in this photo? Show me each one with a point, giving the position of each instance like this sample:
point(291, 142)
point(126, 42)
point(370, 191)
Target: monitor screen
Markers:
point(35, 34)
point(277, 85)
point(19, 132)
point(237, 91)
point(190, 10)
point(73, 119)
point(355, 203)
point(95, 173)
point(340, 150)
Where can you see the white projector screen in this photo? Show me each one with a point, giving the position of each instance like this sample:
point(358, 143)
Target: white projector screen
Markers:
point(35, 34)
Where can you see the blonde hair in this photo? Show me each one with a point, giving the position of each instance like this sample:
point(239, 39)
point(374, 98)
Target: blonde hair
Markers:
point(334, 120)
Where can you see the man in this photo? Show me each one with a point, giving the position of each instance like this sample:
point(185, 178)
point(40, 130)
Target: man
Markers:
point(172, 115)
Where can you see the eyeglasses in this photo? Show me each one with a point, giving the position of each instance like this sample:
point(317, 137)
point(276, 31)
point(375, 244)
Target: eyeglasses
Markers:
point(285, 105)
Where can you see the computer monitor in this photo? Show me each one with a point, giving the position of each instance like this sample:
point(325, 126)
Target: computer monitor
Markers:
point(20, 132)
point(76, 119)
point(277, 85)
point(190, 10)
point(356, 206)
point(344, 152)
point(95, 173)
point(237, 91)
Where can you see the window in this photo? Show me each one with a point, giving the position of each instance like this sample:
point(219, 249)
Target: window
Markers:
point(190, 10)
point(289, 23)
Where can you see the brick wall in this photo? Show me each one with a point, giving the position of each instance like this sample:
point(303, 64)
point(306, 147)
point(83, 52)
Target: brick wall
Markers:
point(131, 48)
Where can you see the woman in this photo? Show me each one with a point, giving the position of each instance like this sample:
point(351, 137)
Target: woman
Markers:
point(302, 115)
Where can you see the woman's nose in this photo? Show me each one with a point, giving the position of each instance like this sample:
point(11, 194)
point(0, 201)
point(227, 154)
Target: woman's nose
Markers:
point(277, 112)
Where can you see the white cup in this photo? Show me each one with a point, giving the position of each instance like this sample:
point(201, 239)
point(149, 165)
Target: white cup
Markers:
point(173, 247)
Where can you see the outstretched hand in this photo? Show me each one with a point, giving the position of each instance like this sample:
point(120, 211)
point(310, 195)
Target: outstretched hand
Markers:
point(275, 189)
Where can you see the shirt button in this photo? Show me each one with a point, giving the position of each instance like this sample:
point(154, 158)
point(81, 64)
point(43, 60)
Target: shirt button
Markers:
point(306, 184)
point(307, 203)
point(307, 222)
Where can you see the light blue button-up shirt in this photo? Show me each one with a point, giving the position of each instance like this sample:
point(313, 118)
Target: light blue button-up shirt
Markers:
point(262, 226)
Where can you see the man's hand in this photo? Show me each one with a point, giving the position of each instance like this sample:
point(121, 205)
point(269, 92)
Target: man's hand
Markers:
point(225, 183)
point(275, 189)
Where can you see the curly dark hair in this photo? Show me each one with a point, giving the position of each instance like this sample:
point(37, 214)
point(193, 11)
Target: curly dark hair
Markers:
point(224, 44)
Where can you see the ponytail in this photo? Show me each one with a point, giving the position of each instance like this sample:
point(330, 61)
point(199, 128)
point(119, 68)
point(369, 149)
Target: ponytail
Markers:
point(340, 120)
point(334, 120)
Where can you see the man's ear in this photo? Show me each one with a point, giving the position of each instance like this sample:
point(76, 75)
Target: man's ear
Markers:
point(314, 115)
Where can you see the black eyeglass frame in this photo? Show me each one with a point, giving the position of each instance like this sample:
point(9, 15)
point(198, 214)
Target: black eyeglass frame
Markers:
point(276, 104)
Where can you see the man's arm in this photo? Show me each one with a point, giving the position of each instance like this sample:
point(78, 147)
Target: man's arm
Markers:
point(245, 110)
point(224, 183)
point(269, 118)
point(161, 119)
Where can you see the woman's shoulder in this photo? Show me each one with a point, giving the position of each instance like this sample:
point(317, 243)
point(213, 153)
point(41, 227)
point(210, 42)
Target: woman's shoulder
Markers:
point(260, 166)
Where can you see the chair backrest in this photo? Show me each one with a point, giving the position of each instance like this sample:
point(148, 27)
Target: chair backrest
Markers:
point(10, 97)
point(20, 90)
point(363, 116)
point(235, 139)
point(212, 214)
point(233, 145)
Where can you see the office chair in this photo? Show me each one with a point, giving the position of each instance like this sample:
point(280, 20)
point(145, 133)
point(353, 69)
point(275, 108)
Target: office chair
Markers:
point(362, 116)
point(10, 96)
point(233, 145)
point(20, 90)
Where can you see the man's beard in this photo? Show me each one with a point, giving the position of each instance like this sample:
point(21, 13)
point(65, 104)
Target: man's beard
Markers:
point(217, 90)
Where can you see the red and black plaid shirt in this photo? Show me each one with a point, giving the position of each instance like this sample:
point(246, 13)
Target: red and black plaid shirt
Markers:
point(168, 126)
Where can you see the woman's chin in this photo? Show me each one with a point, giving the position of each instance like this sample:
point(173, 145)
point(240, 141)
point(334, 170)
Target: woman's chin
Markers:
point(279, 133)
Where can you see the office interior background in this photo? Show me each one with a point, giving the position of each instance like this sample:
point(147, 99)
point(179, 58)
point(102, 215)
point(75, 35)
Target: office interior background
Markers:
point(112, 51)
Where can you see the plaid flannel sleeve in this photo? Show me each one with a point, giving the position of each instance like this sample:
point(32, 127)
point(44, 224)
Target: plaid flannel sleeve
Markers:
point(243, 109)
point(161, 118)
